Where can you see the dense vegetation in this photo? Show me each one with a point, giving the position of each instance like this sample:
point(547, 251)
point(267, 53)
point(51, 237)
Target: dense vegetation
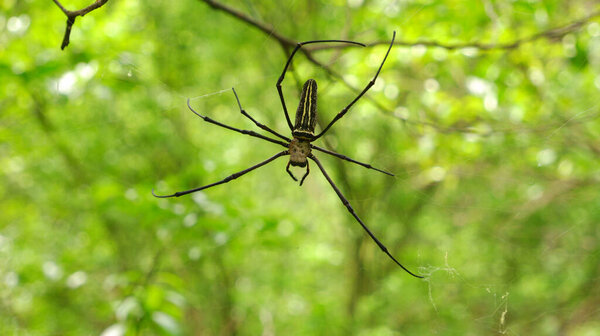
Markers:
point(495, 147)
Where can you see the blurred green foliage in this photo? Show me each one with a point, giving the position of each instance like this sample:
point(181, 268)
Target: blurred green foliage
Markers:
point(496, 153)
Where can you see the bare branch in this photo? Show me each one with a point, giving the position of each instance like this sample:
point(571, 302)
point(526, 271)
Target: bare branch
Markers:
point(550, 34)
point(284, 41)
point(71, 15)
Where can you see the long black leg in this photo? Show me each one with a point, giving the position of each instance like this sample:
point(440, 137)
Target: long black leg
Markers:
point(351, 210)
point(344, 157)
point(305, 174)
point(247, 132)
point(262, 126)
point(371, 83)
point(287, 169)
point(287, 64)
point(225, 180)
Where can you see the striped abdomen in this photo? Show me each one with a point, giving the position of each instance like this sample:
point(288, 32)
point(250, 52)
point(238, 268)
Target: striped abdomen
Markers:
point(306, 115)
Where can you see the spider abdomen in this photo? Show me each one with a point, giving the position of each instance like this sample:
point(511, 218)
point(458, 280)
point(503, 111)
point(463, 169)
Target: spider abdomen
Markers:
point(306, 115)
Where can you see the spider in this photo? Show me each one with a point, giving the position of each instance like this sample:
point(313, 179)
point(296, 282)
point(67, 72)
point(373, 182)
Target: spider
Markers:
point(300, 147)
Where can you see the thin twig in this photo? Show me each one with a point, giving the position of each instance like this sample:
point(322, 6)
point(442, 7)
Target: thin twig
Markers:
point(269, 30)
point(550, 34)
point(71, 15)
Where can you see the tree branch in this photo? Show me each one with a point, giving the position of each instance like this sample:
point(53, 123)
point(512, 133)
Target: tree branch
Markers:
point(71, 15)
point(270, 31)
point(550, 34)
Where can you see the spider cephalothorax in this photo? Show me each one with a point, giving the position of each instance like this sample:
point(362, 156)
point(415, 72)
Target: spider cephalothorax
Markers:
point(300, 147)
point(299, 152)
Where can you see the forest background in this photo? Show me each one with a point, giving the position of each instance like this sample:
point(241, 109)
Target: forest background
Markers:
point(486, 111)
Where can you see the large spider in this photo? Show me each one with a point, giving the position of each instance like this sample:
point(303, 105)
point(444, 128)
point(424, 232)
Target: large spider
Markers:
point(299, 148)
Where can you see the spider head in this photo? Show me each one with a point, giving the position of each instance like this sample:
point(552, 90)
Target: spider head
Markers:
point(299, 151)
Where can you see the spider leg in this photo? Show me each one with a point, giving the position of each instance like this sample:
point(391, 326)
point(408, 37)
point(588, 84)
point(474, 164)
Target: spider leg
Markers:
point(344, 157)
point(287, 64)
point(305, 174)
point(287, 169)
point(262, 126)
point(247, 132)
point(371, 83)
point(351, 210)
point(225, 180)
